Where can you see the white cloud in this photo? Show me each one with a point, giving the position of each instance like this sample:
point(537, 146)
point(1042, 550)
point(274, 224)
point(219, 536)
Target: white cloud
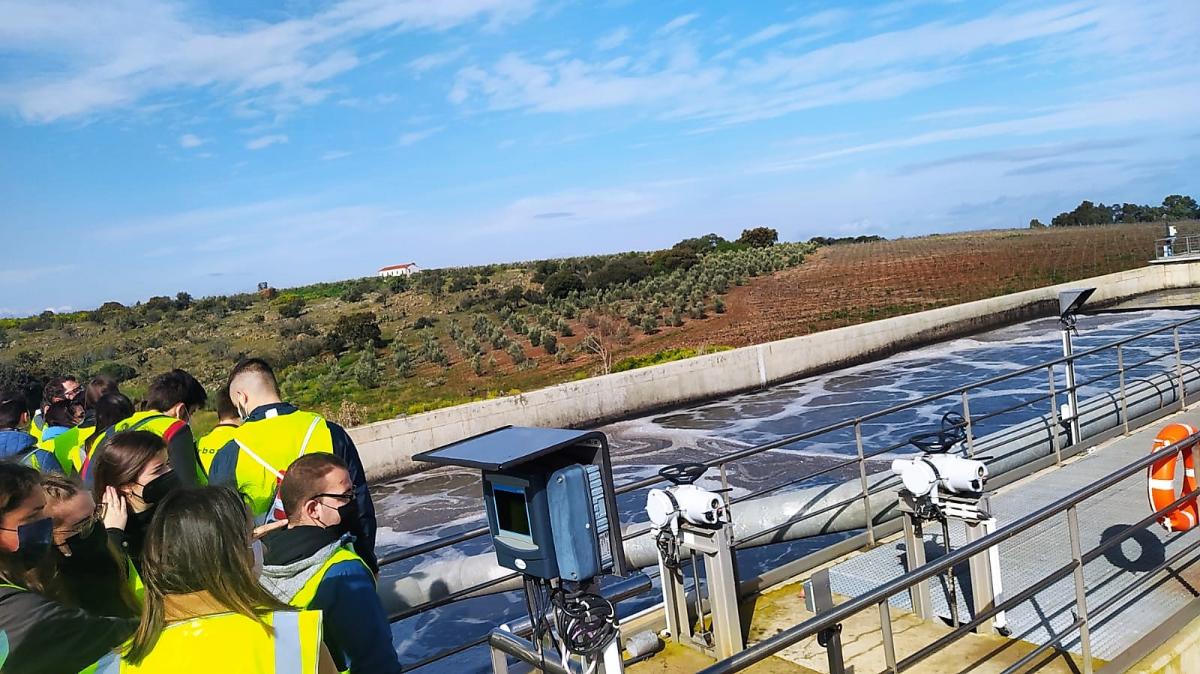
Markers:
point(612, 39)
point(188, 141)
point(678, 22)
point(334, 154)
point(423, 64)
point(93, 57)
point(677, 82)
point(414, 137)
point(266, 141)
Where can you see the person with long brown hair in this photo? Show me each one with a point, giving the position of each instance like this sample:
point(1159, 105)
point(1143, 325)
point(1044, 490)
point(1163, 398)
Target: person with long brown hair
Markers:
point(204, 609)
point(131, 476)
point(43, 634)
point(88, 571)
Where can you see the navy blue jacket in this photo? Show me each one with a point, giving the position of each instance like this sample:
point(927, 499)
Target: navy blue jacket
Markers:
point(224, 472)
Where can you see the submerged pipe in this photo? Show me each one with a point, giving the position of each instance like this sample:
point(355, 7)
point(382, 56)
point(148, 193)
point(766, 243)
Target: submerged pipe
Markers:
point(789, 516)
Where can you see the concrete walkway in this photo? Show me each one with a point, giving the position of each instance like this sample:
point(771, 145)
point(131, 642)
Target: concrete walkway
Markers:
point(1036, 553)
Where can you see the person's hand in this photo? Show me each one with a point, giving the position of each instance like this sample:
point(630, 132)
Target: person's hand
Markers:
point(116, 513)
point(267, 528)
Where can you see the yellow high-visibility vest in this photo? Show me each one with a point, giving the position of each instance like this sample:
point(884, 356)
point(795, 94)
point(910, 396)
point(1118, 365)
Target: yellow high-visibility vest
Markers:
point(68, 447)
point(209, 445)
point(230, 642)
point(156, 423)
point(305, 595)
point(37, 425)
point(266, 447)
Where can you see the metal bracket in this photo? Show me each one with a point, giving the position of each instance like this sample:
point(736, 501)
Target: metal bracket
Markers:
point(715, 546)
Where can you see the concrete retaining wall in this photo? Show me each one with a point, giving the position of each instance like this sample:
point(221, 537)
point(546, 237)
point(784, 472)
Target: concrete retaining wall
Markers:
point(387, 446)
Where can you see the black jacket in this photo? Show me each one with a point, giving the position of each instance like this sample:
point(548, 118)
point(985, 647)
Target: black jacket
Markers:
point(47, 637)
point(224, 472)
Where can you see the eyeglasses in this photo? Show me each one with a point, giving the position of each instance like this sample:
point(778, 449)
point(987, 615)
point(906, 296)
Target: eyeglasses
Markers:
point(85, 525)
point(348, 496)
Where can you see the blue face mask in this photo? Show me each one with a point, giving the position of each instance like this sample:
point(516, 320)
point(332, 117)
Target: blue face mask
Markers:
point(33, 540)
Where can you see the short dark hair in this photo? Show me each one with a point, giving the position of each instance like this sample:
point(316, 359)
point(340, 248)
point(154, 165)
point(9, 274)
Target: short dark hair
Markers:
point(99, 386)
point(56, 389)
point(63, 413)
point(225, 407)
point(171, 388)
point(256, 366)
point(301, 480)
point(12, 407)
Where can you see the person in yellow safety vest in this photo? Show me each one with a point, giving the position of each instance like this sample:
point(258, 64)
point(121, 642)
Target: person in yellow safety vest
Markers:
point(227, 421)
point(312, 565)
point(111, 409)
point(205, 611)
point(273, 434)
point(66, 446)
point(92, 574)
point(43, 634)
point(133, 476)
point(171, 400)
point(58, 388)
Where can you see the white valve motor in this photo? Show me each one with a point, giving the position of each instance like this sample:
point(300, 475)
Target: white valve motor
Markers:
point(949, 472)
point(687, 502)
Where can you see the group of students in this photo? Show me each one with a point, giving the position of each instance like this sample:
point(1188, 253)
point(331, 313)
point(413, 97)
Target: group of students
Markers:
point(128, 545)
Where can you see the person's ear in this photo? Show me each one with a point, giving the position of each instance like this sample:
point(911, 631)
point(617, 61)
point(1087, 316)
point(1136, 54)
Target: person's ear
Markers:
point(178, 410)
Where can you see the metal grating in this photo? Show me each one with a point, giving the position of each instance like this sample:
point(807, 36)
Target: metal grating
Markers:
point(1039, 551)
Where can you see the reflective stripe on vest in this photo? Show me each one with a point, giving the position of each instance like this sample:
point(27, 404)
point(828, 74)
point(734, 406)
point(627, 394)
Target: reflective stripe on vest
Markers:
point(267, 447)
point(231, 642)
point(67, 446)
point(158, 424)
point(305, 595)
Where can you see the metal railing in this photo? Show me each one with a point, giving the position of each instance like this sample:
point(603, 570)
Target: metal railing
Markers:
point(1175, 365)
point(1085, 615)
point(1177, 245)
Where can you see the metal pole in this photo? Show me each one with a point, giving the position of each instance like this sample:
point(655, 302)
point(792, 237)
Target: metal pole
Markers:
point(966, 412)
point(1124, 399)
point(1054, 425)
point(1179, 370)
point(1072, 394)
point(819, 598)
point(885, 628)
point(1085, 641)
point(862, 480)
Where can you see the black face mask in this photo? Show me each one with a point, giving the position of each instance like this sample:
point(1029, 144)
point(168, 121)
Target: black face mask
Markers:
point(154, 491)
point(85, 547)
point(33, 541)
point(349, 515)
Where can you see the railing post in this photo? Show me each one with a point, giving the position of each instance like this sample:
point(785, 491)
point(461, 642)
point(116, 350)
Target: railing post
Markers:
point(1071, 390)
point(1055, 430)
point(966, 412)
point(1124, 399)
point(862, 480)
point(885, 628)
point(818, 598)
point(1179, 369)
point(1085, 641)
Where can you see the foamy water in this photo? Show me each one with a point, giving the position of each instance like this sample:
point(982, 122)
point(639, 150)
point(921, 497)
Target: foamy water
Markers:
point(419, 508)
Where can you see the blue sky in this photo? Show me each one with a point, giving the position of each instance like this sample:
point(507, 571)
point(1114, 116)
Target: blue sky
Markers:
point(152, 147)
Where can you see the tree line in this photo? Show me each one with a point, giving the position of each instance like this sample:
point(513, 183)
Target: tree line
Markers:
point(1174, 207)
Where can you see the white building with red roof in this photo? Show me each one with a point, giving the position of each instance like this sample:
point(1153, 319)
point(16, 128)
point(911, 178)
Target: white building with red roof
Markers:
point(399, 269)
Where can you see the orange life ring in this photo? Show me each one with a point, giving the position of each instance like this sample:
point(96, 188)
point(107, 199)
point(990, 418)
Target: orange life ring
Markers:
point(1161, 480)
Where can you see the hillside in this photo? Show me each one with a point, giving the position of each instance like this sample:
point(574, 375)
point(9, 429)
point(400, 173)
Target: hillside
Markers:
point(370, 349)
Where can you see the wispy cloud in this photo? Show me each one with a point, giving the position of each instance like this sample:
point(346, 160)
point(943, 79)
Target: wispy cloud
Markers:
point(188, 141)
point(266, 141)
point(109, 55)
point(334, 154)
point(678, 22)
point(1028, 153)
point(434, 60)
point(612, 39)
point(414, 137)
point(679, 83)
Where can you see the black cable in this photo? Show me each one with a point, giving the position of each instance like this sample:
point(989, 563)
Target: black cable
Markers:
point(586, 622)
point(668, 549)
